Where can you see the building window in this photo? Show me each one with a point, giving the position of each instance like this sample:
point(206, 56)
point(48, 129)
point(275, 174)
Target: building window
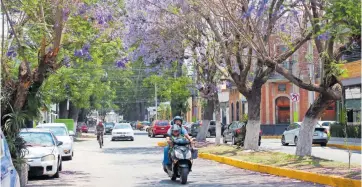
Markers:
point(282, 87)
point(232, 111)
point(237, 111)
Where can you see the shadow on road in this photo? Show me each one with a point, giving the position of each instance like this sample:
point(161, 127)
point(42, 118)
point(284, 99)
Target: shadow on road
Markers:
point(214, 179)
point(76, 176)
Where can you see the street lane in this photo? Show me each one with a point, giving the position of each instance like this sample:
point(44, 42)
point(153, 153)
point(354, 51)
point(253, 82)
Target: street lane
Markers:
point(138, 164)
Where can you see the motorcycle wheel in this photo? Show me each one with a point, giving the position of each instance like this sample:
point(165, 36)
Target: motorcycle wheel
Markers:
point(173, 178)
point(183, 175)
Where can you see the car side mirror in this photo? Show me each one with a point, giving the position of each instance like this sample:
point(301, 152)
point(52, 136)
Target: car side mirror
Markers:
point(71, 133)
point(59, 143)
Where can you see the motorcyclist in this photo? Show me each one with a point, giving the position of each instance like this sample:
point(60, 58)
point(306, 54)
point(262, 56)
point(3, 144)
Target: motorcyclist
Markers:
point(100, 131)
point(182, 131)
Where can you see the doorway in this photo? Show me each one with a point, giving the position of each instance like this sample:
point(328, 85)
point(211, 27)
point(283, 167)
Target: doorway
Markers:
point(282, 110)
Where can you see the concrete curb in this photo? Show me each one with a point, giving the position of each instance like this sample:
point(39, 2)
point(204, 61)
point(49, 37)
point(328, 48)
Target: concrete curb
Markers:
point(162, 144)
point(284, 172)
point(351, 147)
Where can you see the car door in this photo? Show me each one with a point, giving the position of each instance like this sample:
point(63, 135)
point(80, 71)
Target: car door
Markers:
point(288, 133)
point(295, 132)
point(229, 131)
point(9, 175)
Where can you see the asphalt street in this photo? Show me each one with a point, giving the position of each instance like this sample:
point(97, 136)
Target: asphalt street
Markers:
point(138, 164)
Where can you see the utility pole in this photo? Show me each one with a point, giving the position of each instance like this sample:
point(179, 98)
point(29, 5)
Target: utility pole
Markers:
point(156, 99)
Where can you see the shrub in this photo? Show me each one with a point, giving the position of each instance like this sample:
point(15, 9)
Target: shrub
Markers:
point(68, 122)
point(338, 130)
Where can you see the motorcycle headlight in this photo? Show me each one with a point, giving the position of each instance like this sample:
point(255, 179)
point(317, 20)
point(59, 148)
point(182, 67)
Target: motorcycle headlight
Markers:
point(48, 158)
point(178, 154)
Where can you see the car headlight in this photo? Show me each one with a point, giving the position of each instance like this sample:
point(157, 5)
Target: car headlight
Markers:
point(179, 154)
point(48, 158)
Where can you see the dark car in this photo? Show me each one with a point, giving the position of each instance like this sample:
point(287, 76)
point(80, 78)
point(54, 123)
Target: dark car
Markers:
point(109, 127)
point(195, 128)
point(235, 133)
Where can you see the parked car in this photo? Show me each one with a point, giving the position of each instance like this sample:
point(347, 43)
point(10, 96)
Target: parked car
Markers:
point(60, 130)
point(158, 127)
point(44, 156)
point(142, 125)
point(327, 124)
point(235, 133)
point(291, 135)
point(195, 128)
point(9, 175)
point(122, 131)
point(108, 127)
point(84, 129)
point(187, 126)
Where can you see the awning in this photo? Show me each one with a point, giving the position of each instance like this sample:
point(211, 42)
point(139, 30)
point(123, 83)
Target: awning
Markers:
point(354, 104)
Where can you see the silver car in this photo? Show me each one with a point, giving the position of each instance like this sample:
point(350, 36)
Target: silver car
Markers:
point(291, 135)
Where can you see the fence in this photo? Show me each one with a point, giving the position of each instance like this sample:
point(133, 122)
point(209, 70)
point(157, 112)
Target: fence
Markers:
point(273, 129)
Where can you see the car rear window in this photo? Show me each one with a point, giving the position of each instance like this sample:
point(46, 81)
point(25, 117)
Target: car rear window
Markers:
point(162, 123)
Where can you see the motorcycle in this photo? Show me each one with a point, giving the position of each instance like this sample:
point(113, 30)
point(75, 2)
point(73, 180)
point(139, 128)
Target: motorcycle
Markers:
point(182, 156)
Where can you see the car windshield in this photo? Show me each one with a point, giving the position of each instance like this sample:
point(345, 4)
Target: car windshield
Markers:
point(325, 124)
point(122, 127)
point(109, 125)
point(162, 123)
point(38, 139)
point(57, 131)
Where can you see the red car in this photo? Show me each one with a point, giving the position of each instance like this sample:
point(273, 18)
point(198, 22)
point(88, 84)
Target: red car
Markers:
point(159, 127)
point(84, 128)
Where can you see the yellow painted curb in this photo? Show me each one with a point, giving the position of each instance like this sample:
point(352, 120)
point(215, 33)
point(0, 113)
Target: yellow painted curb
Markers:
point(271, 137)
point(162, 144)
point(351, 147)
point(284, 172)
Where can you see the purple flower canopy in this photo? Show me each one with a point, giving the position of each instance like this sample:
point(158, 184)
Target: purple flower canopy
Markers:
point(122, 63)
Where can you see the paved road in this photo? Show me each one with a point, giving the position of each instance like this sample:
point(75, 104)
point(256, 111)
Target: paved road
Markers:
point(138, 164)
point(329, 153)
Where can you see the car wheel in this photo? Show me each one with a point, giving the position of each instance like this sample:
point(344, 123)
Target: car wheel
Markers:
point(224, 140)
point(153, 134)
point(132, 139)
point(296, 141)
point(60, 166)
point(112, 139)
point(56, 175)
point(323, 144)
point(208, 135)
point(283, 141)
point(149, 134)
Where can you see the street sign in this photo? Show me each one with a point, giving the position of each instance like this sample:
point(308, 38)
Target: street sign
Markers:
point(295, 97)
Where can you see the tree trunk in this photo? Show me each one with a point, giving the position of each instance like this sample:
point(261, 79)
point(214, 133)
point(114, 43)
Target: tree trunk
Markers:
point(23, 174)
point(73, 112)
point(253, 125)
point(63, 112)
point(82, 115)
point(208, 115)
point(217, 120)
point(305, 138)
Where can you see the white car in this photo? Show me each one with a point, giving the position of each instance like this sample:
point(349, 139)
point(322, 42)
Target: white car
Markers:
point(122, 131)
point(43, 157)
point(326, 124)
point(60, 130)
point(9, 175)
point(291, 135)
